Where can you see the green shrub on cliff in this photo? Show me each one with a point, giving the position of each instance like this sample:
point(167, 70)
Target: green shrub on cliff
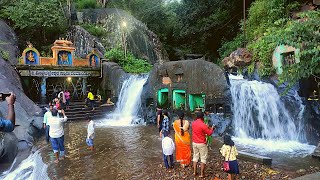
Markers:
point(86, 4)
point(262, 15)
point(129, 63)
point(95, 30)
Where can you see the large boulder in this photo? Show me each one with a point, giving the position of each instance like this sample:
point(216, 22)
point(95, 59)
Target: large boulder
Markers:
point(8, 44)
point(27, 113)
point(238, 58)
point(139, 39)
point(195, 77)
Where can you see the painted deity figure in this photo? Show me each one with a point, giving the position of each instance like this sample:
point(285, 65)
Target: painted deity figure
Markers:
point(93, 61)
point(64, 57)
point(31, 56)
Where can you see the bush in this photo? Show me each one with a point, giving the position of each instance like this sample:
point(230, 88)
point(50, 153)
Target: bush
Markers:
point(95, 30)
point(86, 4)
point(129, 64)
point(228, 47)
point(303, 35)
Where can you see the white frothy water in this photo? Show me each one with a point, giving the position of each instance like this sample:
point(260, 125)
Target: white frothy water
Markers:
point(129, 103)
point(261, 120)
point(30, 168)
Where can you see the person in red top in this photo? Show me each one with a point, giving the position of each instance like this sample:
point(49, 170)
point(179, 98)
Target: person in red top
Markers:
point(200, 149)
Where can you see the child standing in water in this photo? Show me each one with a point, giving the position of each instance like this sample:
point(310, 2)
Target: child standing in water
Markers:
point(90, 134)
point(229, 152)
point(167, 149)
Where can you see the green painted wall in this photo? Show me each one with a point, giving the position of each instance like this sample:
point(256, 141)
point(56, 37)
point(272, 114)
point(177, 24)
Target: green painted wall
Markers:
point(178, 98)
point(196, 101)
point(277, 57)
point(163, 97)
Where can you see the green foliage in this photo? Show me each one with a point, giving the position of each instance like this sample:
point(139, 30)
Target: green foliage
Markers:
point(129, 63)
point(262, 14)
point(95, 30)
point(40, 22)
point(306, 37)
point(197, 26)
point(229, 46)
point(251, 68)
point(303, 35)
point(203, 24)
point(86, 4)
point(4, 54)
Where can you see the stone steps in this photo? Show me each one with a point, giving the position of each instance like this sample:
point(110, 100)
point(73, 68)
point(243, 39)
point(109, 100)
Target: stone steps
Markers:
point(255, 158)
point(78, 111)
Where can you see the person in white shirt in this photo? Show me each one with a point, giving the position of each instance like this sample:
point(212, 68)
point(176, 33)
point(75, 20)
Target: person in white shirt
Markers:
point(46, 125)
point(90, 134)
point(56, 133)
point(168, 148)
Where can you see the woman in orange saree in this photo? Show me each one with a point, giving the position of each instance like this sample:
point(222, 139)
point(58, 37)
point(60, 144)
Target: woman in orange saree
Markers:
point(182, 140)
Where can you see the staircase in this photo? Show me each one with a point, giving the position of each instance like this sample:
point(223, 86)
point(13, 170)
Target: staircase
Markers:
point(78, 111)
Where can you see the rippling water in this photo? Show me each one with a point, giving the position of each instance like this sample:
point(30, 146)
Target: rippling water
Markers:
point(121, 153)
point(130, 152)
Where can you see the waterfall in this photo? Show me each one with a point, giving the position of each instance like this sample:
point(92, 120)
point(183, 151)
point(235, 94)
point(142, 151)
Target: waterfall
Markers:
point(262, 121)
point(129, 103)
point(30, 168)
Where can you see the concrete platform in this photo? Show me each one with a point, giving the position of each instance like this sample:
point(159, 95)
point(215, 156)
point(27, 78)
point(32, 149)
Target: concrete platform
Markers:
point(313, 176)
point(255, 158)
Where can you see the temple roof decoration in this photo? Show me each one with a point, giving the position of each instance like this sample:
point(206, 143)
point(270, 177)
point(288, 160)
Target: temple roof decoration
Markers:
point(63, 42)
point(62, 55)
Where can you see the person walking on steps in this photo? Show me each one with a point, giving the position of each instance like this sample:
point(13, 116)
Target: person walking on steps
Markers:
point(91, 99)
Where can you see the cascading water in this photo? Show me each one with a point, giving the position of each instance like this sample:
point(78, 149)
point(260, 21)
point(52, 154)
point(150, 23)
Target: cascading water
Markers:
point(129, 103)
point(261, 120)
point(30, 168)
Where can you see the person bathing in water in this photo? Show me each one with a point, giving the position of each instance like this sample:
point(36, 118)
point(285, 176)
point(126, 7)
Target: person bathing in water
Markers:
point(90, 133)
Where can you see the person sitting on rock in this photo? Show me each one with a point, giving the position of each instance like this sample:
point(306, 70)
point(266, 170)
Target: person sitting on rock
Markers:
point(7, 125)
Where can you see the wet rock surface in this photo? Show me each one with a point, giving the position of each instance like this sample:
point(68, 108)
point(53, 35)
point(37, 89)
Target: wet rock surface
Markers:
point(27, 113)
point(84, 42)
point(113, 78)
point(316, 152)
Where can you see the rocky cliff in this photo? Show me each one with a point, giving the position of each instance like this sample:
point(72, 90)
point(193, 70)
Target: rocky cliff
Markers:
point(113, 78)
point(27, 113)
point(139, 39)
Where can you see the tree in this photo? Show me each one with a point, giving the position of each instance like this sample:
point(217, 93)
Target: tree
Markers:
point(203, 24)
point(37, 21)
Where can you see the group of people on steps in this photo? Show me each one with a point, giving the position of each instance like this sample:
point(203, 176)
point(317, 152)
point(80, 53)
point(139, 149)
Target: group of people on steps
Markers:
point(198, 142)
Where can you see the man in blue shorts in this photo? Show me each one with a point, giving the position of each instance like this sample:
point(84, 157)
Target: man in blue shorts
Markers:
point(90, 135)
point(7, 125)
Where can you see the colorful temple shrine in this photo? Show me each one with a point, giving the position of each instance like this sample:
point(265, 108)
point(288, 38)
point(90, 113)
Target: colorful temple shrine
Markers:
point(43, 76)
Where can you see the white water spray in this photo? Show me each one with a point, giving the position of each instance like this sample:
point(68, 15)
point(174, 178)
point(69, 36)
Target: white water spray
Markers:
point(261, 120)
point(30, 168)
point(129, 103)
